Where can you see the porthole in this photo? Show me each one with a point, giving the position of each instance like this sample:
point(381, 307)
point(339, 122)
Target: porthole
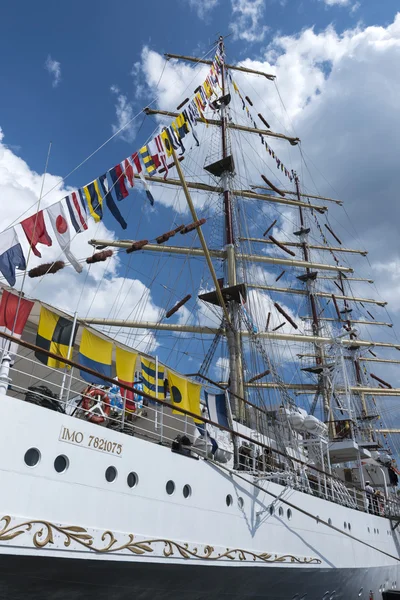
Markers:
point(187, 491)
point(348, 526)
point(170, 487)
point(369, 531)
point(289, 514)
point(329, 521)
point(240, 502)
point(111, 474)
point(374, 530)
point(132, 480)
point(377, 531)
point(271, 509)
point(345, 525)
point(280, 511)
point(61, 463)
point(32, 457)
point(229, 500)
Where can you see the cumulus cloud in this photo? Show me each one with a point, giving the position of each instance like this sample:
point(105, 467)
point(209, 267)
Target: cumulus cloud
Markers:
point(125, 114)
point(247, 18)
point(54, 69)
point(202, 7)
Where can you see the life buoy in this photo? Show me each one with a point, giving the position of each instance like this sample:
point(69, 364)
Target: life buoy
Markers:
point(100, 404)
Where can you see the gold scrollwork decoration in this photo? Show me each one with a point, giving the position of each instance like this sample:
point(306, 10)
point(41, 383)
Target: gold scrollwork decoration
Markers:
point(44, 533)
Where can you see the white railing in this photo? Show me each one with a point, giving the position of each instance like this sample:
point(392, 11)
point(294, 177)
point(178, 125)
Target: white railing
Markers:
point(156, 423)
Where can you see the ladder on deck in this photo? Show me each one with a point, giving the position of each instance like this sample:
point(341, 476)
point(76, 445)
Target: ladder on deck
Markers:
point(342, 494)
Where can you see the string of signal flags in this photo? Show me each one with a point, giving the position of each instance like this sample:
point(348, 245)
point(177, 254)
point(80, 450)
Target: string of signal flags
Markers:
point(57, 334)
point(114, 186)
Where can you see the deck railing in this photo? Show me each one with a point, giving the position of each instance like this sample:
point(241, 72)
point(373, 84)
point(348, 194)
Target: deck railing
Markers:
point(158, 424)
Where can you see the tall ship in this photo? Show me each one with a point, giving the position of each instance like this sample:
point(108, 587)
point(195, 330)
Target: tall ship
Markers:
point(235, 445)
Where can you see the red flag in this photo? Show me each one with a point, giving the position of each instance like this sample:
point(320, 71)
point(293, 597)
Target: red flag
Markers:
point(11, 320)
point(36, 232)
point(128, 170)
point(136, 161)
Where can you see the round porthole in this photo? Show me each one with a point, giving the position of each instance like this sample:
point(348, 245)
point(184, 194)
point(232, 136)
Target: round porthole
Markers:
point(271, 509)
point(187, 491)
point(32, 457)
point(111, 474)
point(240, 502)
point(289, 514)
point(229, 500)
point(61, 463)
point(280, 511)
point(170, 487)
point(132, 480)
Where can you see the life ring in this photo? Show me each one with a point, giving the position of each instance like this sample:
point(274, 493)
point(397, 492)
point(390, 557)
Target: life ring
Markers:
point(100, 404)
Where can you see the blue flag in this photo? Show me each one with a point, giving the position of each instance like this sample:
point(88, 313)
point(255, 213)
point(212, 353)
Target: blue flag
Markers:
point(216, 405)
point(11, 255)
point(112, 207)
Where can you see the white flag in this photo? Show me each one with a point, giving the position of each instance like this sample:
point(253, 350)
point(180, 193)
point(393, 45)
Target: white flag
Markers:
point(61, 229)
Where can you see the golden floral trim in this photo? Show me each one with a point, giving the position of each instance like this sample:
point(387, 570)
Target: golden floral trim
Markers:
point(43, 535)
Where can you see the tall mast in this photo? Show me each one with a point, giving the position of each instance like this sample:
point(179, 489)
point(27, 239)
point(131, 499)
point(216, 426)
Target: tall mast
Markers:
point(234, 342)
point(316, 328)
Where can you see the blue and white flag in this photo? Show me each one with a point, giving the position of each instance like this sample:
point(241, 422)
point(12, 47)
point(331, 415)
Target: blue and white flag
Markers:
point(201, 427)
point(216, 405)
point(11, 255)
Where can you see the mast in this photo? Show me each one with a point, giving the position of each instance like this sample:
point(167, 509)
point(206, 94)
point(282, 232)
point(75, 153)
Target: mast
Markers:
point(309, 279)
point(234, 342)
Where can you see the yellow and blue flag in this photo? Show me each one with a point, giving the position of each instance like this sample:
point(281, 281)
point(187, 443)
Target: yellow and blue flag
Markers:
point(149, 378)
point(95, 353)
point(94, 200)
point(185, 394)
point(182, 124)
point(148, 160)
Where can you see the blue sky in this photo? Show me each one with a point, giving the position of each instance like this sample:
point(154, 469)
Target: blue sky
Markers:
point(94, 46)
point(97, 45)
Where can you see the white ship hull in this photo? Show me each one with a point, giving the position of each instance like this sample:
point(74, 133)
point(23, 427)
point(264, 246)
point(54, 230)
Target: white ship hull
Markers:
point(74, 535)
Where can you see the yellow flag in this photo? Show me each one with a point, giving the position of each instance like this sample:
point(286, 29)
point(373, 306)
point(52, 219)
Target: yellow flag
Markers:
point(54, 334)
point(185, 394)
point(125, 363)
point(167, 142)
point(207, 88)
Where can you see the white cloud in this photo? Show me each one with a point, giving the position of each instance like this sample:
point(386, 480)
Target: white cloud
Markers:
point(247, 23)
point(125, 114)
point(336, 2)
point(54, 69)
point(202, 7)
point(347, 3)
